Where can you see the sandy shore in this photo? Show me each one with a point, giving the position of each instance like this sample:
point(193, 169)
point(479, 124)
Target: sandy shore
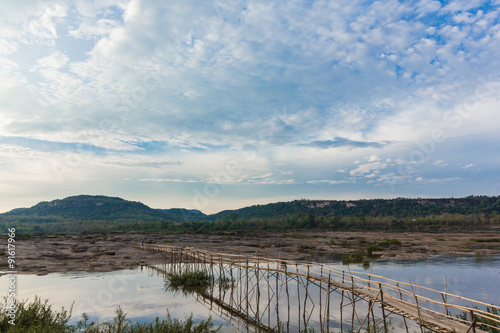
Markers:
point(43, 254)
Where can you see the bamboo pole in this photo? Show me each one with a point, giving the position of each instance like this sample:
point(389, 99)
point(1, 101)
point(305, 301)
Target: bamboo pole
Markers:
point(445, 298)
point(258, 288)
point(418, 309)
point(353, 301)
point(342, 306)
point(268, 296)
point(320, 296)
point(404, 319)
point(382, 305)
point(328, 304)
point(305, 299)
point(277, 299)
point(473, 322)
point(287, 298)
point(298, 294)
point(367, 318)
point(246, 265)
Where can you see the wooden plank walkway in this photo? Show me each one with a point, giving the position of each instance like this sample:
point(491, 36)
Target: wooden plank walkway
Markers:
point(393, 296)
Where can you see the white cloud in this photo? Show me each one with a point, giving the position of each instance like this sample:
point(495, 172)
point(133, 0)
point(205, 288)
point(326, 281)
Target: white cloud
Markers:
point(462, 5)
point(207, 83)
point(90, 29)
point(441, 163)
point(43, 25)
point(328, 182)
point(436, 180)
point(55, 60)
point(168, 180)
point(373, 158)
point(11, 77)
point(363, 169)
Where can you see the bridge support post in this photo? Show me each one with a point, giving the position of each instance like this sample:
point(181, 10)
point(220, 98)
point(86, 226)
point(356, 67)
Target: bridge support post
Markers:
point(328, 304)
point(320, 310)
point(382, 305)
point(401, 297)
point(473, 322)
point(418, 309)
point(342, 305)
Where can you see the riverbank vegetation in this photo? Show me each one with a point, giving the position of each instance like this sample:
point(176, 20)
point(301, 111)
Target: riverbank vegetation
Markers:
point(39, 317)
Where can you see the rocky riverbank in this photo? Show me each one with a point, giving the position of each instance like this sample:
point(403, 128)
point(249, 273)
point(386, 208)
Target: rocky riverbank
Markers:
point(43, 254)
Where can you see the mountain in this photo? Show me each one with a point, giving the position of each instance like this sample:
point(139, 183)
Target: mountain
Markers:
point(182, 214)
point(98, 208)
point(88, 207)
point(86, 213)
point(399, 207)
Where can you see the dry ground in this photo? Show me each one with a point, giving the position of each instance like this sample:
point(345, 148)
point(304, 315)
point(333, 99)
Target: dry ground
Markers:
point(43, 254)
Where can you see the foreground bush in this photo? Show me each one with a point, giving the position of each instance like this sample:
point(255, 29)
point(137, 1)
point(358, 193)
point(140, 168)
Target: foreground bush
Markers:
point(39, 317)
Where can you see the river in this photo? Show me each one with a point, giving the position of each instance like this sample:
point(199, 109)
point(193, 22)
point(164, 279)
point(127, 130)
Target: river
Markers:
point(141, 292)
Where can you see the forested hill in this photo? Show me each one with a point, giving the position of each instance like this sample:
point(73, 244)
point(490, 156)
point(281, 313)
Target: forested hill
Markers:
point(86, 213)
point(400, 208)
point(94, 208)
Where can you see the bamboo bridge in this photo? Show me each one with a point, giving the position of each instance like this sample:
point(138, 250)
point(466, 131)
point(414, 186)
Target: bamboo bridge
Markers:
point(264, 295)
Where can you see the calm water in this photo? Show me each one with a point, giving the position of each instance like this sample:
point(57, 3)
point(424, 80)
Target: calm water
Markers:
point(141, 293)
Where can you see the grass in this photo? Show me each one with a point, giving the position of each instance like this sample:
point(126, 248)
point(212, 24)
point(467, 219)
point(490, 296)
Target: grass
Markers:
point(189, 282)
point(361, 240)
point(39, 317)
point(389, 242)
point(295, 236)
point(121, 324)
point(486, 240)
point(197, 279)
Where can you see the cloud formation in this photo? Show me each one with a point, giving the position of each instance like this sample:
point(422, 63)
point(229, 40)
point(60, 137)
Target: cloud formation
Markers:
point(271, 97)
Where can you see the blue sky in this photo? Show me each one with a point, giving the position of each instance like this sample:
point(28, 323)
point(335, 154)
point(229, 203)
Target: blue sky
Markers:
point(221, 104)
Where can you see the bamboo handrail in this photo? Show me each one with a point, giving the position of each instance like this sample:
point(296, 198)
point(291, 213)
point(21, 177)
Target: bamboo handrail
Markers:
point(319, 275)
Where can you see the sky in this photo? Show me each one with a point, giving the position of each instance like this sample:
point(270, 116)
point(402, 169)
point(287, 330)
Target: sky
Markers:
point(221, 104)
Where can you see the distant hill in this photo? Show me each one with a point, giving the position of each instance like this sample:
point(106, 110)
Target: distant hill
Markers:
point(399, 207)
point(182, 214)
point(90, 213)
point(89, 210)
point(89, 207)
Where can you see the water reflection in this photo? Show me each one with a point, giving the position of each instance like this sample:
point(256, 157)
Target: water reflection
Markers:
point(144, 294)
point(140, 293)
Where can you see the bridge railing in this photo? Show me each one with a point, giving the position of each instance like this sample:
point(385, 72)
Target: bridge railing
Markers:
point(440, 303)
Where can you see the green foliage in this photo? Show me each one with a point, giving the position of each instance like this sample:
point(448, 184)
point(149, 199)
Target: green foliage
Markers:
point(486, 240)
point(483, 321)
point(189, 282)
point(187, 279)
point(34, 317)
point(294, 236)
point(39, 317)
point(388, 242)
point(353, 258)
point(121, 324)
point(372, 247)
